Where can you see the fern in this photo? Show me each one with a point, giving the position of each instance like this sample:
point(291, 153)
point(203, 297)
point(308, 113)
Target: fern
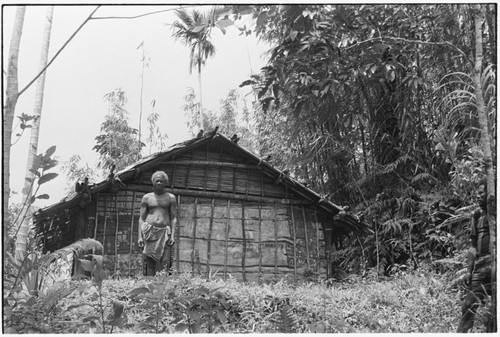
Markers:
point(424, 176)
point(391, 167)
point(287, 320)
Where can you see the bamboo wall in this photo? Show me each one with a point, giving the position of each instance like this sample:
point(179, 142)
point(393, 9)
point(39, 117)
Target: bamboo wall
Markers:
point(249, 240)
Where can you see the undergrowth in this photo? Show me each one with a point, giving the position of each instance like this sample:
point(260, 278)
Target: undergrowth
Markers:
point(413, 301)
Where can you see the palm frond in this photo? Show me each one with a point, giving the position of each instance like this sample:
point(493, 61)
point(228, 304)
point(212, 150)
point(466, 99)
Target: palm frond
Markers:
point(78, 248)
point(424, 176)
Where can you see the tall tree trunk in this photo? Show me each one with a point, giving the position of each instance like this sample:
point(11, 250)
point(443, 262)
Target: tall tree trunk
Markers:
point(22, 235)
point(202, 127)
point(11, 94)
point(141, 98)
point(485, 139)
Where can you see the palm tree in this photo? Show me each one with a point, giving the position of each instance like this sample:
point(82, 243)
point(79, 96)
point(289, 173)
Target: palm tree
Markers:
point(9, 107)
point(22, 235)
point(193, 30)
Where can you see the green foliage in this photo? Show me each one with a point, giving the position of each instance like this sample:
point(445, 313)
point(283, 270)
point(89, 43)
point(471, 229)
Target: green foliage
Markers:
point(193, 309)
point(354, 88)
point(233, 118)
point(118, 144)
point(41, 164)
point(156, 139)
point(77, 171)
point(31, 292)
point(408, 302)
point(24, 123)
point(193, 29)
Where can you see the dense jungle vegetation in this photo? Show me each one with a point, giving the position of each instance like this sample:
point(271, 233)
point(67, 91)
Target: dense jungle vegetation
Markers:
point(387, 109)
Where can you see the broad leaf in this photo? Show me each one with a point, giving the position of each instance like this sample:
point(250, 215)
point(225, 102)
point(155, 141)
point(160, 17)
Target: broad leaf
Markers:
point(87, 265)
point(181, 327)
point(47, 177)
point(137, 291)
point(50, 151)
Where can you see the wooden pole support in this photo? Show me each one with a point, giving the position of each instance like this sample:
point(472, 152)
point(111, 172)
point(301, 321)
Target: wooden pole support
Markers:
point(306, 236)
point(96, 215)
point(260, 245)
point(177, 233)
point(116, 233)
point(209, 243)
point(275, 242)
point(226, 237)
point(317, 240)
point(243, 256)
point(195, 219)
point(131, 234)
point(294, 246)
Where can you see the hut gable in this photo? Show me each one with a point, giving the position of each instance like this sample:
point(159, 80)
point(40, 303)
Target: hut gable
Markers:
point(236, 214)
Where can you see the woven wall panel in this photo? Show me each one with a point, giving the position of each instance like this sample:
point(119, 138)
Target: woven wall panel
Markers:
point(269, 231)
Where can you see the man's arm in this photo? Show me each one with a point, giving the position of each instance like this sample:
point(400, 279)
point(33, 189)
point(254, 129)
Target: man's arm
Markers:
point(173, 218)
point(143, 213)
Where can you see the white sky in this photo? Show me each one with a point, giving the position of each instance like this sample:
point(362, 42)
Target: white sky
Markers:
point(103, 56)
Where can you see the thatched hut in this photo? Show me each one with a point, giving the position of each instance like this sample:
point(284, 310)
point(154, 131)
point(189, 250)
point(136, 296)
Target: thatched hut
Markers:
point(237, 215)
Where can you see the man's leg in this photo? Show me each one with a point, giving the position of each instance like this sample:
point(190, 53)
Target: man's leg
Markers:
point(166, 259)
point(480, 287)
point(469, 308)
point(149, 266)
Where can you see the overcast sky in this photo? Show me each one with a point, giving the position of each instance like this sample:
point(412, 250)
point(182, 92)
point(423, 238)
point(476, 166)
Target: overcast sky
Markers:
point(104, 56)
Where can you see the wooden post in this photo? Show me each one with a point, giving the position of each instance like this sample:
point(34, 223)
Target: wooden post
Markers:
point(187, 177)
point(248, 178)
point(260, 245)
point(173, 177)
point(195, 218)
point(328, 251)
point(96, 215)
point(219, 172)
point(104, 229)
point(244, 240)
point(209, 243)
point(275, 242)
point(116, 233)
point(205, 171)
point(131, 234)
point(317, 240)
point(205, 178)
point(227, 237)
point(294, 246)
point(262, 183)
point(219, 179)
point(307, 237)
point(234, 180)
point(177, 232)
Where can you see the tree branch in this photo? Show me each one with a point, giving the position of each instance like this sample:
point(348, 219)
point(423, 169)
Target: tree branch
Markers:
point(58, 52)
point(138, 16)
point(445, 43)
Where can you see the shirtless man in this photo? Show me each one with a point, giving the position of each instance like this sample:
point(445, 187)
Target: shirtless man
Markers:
point(157, 223)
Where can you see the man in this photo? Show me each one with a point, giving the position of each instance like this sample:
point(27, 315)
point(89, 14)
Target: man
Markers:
point(157, 223)
point(479, 261)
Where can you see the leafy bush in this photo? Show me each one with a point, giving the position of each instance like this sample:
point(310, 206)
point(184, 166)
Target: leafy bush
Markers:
point(409, 302)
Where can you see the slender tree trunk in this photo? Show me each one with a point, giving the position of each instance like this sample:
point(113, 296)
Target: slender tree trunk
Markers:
point(488, 158)
point(9, 108)
point(202, 127)
point(141, 98)
point(22, 235)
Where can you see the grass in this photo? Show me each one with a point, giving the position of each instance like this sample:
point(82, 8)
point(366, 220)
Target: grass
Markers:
point(415, 301)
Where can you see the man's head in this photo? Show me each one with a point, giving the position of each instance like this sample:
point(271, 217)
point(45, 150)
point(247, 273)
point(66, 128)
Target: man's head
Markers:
point(482, 193)
point(159, 179)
